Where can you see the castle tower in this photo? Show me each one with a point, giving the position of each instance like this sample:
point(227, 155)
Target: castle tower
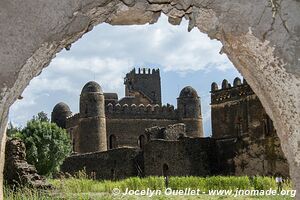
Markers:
point(189, 111)
point(144, 84)
point(60, 113)
point(235, 110)
point(92, 125)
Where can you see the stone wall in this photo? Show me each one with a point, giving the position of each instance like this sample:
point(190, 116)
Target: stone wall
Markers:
point(128, 131)
point(17, 172)
point(112, 164)
point(141, 111)
point(170, 132)
point(186, 157)
point(251, 156)
point(237, 111)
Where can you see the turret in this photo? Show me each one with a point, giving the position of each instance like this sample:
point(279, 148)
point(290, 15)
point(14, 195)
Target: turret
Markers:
point(92, 126)
point(189, 111)
point(144, 85)
point(60, 113)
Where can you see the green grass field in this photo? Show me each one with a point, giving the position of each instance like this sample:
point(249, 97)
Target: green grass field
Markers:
point(84, 188)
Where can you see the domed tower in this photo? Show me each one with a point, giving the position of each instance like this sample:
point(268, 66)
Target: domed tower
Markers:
point(92, 125)
point(189, 111)
point(60, 113)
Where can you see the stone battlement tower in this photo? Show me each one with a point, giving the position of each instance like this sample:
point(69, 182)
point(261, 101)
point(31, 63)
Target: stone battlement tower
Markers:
point(189, 111)
point(236, 111)
point(144, 85)
point(92, 123)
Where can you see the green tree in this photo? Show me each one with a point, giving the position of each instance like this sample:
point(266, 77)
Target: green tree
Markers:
point(47, 145)
point(12, 131)
point(42, 116)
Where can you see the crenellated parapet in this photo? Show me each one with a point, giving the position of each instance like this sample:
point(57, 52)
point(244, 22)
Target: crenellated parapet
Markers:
point(227, 92)
point(145, 81)
point(73, 120)
point(144, 71)
point(140, 111)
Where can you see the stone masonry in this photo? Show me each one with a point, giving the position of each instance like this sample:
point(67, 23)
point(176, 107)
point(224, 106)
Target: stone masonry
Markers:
point(261, 38)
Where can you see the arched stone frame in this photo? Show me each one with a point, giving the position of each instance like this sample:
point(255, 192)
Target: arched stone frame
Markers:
point(261, 38)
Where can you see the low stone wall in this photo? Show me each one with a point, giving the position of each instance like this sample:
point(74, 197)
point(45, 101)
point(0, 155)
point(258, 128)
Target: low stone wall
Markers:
point(112, 164)
point(186, 157)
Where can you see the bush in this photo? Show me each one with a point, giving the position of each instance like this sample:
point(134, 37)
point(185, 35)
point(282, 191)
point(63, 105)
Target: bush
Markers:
point(47, 145)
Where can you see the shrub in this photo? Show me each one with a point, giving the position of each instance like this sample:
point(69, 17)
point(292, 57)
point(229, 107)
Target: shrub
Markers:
point(47, 145)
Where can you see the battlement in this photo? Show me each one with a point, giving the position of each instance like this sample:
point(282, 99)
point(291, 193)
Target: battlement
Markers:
point(140, 111)
point(144, 71)
point(145, 81)
point(229, 93)
point(73, 120)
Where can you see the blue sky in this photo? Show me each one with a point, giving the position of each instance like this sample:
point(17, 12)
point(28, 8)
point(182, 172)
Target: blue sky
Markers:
point(108, 52)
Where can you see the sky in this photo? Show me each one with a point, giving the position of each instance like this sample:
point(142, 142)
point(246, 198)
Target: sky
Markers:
point(108, 52)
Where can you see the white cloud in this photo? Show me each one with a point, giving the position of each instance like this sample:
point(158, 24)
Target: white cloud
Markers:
point(107, 53)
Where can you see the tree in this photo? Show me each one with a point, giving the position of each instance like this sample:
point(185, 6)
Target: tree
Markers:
point(47, 145)
point(42, 116)
point(12, 131)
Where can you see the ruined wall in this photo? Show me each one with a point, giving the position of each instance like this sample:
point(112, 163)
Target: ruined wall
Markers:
point(17, 172)
point(249, 155)
point(260, 156)
point(170, 132)
point(186, 157)
point(112, 164)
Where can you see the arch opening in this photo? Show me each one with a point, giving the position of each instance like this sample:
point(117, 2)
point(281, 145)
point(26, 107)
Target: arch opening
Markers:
point(280, 102)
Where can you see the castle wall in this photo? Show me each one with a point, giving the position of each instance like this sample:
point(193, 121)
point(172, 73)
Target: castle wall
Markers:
point(137, 98)
point(170, 132)
point(112, 164)
point(140, 112)
point(230, 111)
point(260, 156)
point(235, 112)
point(246, 140)
point(128, 131)
point(186, 157)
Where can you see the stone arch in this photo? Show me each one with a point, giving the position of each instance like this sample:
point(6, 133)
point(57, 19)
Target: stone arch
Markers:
point(262, 43)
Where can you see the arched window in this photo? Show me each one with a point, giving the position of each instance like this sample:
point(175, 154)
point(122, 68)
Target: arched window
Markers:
point(112, 142)
point(141, 141)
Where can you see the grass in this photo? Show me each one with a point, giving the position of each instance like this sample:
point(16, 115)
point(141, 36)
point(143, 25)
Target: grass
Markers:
point(84, 188)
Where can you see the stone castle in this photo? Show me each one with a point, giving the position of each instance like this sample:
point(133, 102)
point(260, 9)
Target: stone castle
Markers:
point(138, 136)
